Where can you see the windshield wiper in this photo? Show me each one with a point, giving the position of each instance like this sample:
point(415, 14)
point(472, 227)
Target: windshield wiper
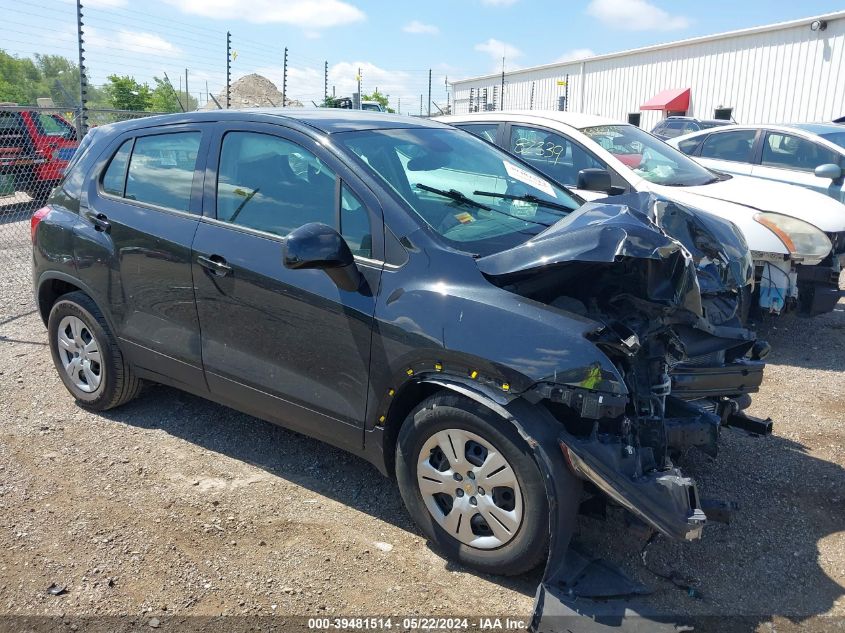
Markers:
point(457, 196)
point(525, 198)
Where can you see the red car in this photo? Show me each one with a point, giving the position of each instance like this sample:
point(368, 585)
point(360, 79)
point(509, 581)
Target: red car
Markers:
point(35, 148)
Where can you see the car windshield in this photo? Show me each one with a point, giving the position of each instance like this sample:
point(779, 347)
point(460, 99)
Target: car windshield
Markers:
point(649, 157)
point(475, 196)
point(835, 137)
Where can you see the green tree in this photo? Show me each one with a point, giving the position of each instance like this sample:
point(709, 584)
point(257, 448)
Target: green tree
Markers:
point(124, 93)
point(330, 102)
point(165, 98)
point(18, 79)
point(380, 98)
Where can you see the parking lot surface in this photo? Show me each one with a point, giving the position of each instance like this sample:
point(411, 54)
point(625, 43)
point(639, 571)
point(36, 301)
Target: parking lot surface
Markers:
point(173, 504)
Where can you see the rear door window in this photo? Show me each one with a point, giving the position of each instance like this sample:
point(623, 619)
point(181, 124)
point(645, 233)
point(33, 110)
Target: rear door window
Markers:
point(734, 146)
point(161, 170)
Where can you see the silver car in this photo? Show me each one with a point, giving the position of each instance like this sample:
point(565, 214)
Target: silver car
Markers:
point(810, 155)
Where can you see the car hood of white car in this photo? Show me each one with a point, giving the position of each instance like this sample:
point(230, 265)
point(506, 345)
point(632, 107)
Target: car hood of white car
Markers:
point(761, 195)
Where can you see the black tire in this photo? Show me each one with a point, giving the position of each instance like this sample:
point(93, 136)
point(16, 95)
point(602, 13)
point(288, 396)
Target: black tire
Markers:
point(447, 411)
point(118, 384)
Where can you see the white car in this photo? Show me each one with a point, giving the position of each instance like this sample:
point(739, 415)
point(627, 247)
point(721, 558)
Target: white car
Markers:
point(810, 155)
point(797, 237)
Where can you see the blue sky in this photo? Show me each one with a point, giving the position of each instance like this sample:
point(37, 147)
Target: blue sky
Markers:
point(394, 43)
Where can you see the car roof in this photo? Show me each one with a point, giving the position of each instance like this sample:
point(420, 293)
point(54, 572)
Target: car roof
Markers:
point(572, 119)
point(326, 120)
point(819, 128)
point(806, 128)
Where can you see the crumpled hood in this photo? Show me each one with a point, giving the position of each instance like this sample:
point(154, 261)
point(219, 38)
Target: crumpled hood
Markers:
point(640, 226)
point(765, 195)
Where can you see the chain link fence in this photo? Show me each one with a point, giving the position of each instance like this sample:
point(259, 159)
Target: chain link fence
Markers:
point(36, 145)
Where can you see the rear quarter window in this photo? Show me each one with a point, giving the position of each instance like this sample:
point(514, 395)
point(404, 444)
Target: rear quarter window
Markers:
point(114, 178)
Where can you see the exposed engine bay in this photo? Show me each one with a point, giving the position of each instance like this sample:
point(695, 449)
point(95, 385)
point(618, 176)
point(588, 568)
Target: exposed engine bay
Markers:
point(667, 288)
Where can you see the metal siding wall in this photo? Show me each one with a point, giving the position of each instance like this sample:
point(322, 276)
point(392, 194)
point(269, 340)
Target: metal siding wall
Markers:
point(792, 74)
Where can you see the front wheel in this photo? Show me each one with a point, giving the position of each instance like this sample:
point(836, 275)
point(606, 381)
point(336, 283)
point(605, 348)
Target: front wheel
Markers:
point(472, 486)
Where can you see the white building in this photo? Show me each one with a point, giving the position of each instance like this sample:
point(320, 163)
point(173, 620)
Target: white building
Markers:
point(788, 72)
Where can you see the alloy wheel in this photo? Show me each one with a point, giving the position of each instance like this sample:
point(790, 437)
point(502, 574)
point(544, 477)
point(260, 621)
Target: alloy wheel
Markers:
point(79, 353)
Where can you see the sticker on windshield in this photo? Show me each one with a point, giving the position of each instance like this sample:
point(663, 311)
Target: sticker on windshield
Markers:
point(528, 178)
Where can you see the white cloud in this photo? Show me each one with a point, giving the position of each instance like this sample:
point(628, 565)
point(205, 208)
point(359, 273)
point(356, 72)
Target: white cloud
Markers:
point(499, 3)
point(307, 14)
point(635, 15)
point(498, 49)
point(576, 54)
point(419, 28)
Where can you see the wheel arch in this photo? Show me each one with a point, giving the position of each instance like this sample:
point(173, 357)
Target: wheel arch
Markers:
point(413, 392)
point(52, 285)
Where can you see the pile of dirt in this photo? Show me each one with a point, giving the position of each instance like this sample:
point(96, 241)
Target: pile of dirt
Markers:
point(253, 91)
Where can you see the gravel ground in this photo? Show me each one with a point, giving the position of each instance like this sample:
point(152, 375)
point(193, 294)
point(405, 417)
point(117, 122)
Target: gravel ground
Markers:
point(174, 505)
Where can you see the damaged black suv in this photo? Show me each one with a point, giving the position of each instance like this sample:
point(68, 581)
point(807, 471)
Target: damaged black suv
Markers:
point(414, 295)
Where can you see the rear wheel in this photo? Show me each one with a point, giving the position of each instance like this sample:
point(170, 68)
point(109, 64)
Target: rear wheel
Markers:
point(86, 354)
point(472, 486)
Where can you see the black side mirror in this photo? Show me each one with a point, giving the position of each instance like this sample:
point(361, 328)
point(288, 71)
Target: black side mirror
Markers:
point(594, 179)
point(316, 245)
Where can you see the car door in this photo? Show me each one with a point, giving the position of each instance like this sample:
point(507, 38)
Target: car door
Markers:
point(286, 345)
point(132, 246)
point(730, 151)
point(557, 156)
point(793, 159)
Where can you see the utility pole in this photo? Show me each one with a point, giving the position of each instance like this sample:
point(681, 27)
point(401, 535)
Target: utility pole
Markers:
point(228, 67)
point(399, 105)
point(285, 79)
point(531, 104)
point(429, 92)
point(82, 118)
point(360, 96)
point(187, 94)
point(446, 83)
point(173, 90)
point(502, 91)
point(326, 83)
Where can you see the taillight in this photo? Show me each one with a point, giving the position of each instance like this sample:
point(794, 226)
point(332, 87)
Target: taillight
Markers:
point(39, 215)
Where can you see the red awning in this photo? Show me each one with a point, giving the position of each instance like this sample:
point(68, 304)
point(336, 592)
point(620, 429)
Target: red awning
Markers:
point(676, 100)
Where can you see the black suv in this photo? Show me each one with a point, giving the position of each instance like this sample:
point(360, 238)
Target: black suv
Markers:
point(410, 293)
